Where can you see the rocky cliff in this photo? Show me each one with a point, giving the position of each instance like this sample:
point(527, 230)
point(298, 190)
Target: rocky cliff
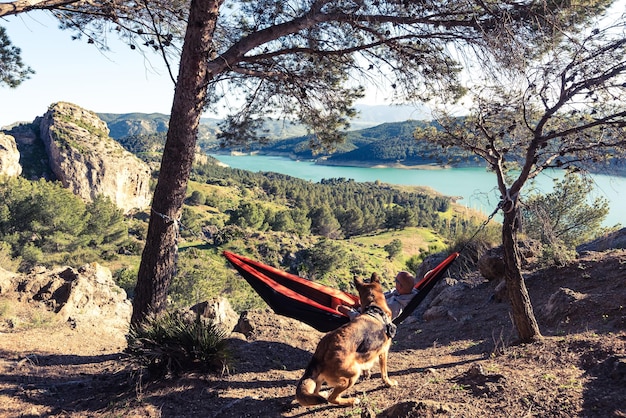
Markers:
point(90, 163)
point(9, 157)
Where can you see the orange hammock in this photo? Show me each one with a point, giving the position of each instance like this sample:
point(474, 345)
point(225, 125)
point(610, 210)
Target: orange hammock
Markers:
point(313, 303)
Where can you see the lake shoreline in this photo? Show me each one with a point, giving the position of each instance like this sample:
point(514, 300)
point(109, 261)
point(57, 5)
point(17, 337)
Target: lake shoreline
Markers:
point(352, 163)
point(476, 186)
point(372, 164)
point(323, 161)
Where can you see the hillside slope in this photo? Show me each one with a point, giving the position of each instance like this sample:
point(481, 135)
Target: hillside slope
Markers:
point(461, 362)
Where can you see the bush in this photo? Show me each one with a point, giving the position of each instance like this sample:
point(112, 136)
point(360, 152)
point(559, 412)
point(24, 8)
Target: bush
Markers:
point(394, 248)
point(126, 278)
point(197, 198)
point(171, 343)
point(565, 217)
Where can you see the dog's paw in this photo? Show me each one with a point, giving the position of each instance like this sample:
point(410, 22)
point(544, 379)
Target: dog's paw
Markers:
point(391, 383)
point(366, 374)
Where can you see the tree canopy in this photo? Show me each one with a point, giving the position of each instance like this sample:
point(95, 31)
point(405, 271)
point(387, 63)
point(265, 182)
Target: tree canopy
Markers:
point(12, 70)
point(564, 109)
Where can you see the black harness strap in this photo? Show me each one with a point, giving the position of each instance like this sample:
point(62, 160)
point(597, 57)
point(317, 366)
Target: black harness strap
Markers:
point(377, 312)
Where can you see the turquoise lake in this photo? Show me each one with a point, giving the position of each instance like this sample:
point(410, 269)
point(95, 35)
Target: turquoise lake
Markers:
point(475, 187)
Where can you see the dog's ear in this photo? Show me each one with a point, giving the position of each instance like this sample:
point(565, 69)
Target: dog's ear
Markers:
point(375, 278)
point(358, 282)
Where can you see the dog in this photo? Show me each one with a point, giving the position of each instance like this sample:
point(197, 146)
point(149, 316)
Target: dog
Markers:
point(343, 354)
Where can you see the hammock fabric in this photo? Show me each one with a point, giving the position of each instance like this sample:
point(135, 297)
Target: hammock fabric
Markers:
point(313, 303)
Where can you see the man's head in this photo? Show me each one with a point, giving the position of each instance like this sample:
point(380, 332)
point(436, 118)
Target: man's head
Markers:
point(404, 282)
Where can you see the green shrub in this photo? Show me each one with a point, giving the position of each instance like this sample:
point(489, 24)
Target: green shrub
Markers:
point(565, 217)
point(471, 249)
point(394, 248)
point(557, 254)
point(172, 343)
point(126, 278)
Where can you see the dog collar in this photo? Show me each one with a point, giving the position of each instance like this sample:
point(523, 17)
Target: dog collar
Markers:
point(378, 313)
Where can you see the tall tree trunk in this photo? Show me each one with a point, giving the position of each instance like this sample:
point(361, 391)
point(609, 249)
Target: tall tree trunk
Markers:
point(523, 315)
point(158, 261)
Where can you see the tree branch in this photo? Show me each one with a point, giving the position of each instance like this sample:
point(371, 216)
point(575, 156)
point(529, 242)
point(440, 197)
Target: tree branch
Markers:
point(20, 6)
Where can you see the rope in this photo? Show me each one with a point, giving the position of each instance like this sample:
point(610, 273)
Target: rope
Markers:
point(177, 225)
point(508, 199)
point(483, 225)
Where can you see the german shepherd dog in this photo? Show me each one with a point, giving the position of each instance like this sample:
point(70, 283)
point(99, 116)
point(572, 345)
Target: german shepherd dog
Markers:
point(342, 354)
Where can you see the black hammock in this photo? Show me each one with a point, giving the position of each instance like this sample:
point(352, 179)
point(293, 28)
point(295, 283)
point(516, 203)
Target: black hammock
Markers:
point(313, 303)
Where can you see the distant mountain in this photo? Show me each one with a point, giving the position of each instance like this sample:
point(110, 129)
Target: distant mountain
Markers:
point(384, 144)
point(127, 124)
point(130, 124)
point(299, 147)
point(389, 143)
point(138, 124)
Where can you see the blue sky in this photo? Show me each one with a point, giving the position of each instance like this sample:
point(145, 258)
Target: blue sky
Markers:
point(118, 81)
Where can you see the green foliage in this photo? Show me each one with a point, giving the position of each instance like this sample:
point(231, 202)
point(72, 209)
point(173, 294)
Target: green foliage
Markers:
point(12, 69)
point(394, 248)
point(324, 257)
point(172, 343)
point(324, 223)
point(399, 218)
point(6, 259)
point(472, 246)
point(197, 198)
point(565, 217)
point(332, 208)
point(43, 223)
point(105, 225)
point(126, 278)
point(557, 254)
point(248, 215)
point(202, 275)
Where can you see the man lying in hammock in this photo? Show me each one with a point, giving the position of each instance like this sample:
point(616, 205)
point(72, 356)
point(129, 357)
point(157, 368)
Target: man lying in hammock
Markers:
point(397, 299)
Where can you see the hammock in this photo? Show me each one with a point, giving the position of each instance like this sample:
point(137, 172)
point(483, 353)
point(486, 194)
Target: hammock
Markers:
point(313, 303)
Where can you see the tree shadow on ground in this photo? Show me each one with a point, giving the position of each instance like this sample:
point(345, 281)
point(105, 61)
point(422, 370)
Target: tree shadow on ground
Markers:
point(261, 356)
point(64, 383)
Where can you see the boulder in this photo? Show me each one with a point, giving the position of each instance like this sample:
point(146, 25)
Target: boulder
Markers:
point(87, 296)
point(491, 264)
point(9, 157)
point(612, 240)
point(559, 305)
point(218, 311)
point(90, 163)
point(7, 281)
point(436, 312)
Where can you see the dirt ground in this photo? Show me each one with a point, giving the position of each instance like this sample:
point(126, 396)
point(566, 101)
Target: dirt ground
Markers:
point(461, 364)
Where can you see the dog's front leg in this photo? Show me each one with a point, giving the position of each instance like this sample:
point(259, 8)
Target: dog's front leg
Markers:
point(382, 361)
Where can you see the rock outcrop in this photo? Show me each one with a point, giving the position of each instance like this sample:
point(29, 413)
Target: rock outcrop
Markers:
point(612, 240)
point(90, 163)
point(87, 296)
point(218, 311)
point(9, 157)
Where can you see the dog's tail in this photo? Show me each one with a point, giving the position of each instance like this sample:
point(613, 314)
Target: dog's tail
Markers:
point(306, 387)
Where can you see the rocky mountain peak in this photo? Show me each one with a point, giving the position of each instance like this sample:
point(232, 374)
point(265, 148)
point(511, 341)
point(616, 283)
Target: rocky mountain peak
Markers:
point(90, 163)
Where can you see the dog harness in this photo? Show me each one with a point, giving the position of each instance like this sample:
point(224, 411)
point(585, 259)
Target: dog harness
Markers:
point(377, 312)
